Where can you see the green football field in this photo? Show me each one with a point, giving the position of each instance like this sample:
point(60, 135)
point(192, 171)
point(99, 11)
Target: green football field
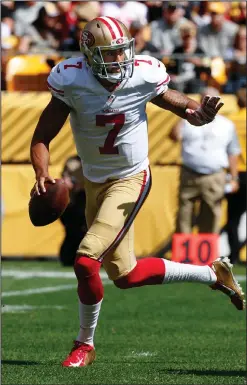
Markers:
point(176, 334)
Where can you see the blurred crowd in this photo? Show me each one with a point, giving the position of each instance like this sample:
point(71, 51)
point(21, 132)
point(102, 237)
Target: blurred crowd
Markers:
point(201, 42)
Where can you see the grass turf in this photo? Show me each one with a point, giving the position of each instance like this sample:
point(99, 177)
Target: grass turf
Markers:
point(174, 334)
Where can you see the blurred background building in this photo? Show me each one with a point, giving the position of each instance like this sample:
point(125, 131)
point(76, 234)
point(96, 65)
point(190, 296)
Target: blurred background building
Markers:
point(202, 44)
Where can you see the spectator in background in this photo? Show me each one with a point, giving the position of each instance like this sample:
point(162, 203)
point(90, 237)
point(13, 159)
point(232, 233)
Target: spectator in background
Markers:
point(206, 152)
point(188, 8)
point(7, 21)
point(237, 200)
point(242, 17)
point(199, 13)
point(125, 11)
point(165, 35)
point(71, 11)
point(187, 70)
point(25, 15)
point(154, 10)
point(218, 36)
point(237, 12)
point(239, 47)
point(44, 34)
point(73, 219)
point(8, 40)
point(140, 33)
point(87, 10)
point(67, 17)
point(236, 66)
point(84, 12)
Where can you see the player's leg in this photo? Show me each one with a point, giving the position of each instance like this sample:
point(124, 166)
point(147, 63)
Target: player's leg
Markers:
point(90, 294)
point(121, 260)
point(127, 273)
point(122, 267)
point(154, 271)
point(114, 205)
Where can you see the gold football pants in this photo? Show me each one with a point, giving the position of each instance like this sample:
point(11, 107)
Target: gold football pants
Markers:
point(111, 208)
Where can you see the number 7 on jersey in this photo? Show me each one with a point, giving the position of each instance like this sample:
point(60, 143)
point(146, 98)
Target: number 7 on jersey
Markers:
point(118, 121)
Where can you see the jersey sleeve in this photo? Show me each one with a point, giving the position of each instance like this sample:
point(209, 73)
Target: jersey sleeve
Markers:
point(162, 80)
point(58, 85)
point(155, 76)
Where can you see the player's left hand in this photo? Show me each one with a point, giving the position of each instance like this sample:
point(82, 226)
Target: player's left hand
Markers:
point(206, 112)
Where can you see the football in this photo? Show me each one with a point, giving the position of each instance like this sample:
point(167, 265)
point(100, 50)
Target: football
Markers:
point(49, 206)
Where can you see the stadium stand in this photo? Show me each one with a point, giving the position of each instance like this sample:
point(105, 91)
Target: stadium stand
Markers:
point(28, 72)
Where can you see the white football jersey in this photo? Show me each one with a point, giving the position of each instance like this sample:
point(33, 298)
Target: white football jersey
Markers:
point(109, 128)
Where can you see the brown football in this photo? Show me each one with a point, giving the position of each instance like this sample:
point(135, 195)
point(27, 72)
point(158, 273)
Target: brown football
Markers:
point(49, 206)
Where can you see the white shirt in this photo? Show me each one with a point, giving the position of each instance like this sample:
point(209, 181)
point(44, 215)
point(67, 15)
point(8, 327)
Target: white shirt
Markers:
point(206, 149)
point(127, 13)
point(109, 128)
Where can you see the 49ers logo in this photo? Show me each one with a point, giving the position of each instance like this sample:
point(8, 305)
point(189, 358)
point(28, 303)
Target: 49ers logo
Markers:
point(87, 38)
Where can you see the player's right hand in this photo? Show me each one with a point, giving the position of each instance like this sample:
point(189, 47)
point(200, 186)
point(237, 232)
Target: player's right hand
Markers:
point(206, 112)
point(39, 186)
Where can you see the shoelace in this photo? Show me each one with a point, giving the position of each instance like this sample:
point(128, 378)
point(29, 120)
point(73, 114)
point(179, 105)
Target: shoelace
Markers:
point(81, 347)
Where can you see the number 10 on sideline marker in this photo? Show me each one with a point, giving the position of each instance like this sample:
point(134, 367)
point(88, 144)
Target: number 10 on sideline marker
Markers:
point(197, 249)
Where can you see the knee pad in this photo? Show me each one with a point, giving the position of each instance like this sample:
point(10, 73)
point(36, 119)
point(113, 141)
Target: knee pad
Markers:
point(85, 267)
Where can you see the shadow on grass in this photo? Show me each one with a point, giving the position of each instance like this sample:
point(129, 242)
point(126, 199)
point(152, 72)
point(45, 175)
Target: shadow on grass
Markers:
point(224, 373)
point(16, 362)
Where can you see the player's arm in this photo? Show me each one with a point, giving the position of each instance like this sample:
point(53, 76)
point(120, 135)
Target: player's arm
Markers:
point(50, 123)
point(187, 108)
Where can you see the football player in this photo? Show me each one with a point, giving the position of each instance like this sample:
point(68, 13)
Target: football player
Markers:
point(105, 92)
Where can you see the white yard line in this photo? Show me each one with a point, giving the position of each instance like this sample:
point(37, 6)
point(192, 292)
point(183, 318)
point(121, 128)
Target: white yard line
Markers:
point(38, 290)
point(41, 290)
point(25, 308)
point(24, 274)
point(17, 274)
point(142, 354)
point(240, 278)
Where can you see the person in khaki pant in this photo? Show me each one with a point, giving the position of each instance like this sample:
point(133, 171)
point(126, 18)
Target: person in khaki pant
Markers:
point(209, 189)
point(206, 153)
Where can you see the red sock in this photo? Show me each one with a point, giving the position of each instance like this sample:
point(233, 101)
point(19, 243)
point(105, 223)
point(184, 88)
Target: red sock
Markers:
point(90, 288)
point(148, 271)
